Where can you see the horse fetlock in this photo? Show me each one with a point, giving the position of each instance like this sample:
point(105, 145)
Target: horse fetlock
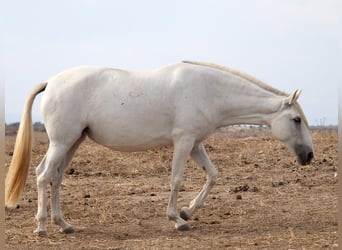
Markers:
point(171, 216)
point(41, 221)
point(64, 226)
point(57, 220)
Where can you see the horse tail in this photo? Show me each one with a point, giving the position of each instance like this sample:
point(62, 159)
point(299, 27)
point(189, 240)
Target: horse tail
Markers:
point(18, 170)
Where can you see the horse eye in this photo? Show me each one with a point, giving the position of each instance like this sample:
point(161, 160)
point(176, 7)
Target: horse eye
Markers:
point(297, 120)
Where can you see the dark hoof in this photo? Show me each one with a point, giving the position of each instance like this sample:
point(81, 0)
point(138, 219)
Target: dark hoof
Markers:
point(68, 230)
point(41, 233)
point(184, 227)
point(183, 215)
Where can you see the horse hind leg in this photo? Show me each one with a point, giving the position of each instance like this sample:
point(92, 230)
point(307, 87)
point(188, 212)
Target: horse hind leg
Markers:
point(46, 172)
point(51, 170)
point(56, 215)
point(42, 211)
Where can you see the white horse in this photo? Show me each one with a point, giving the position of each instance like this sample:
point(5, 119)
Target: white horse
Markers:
point(180, 104)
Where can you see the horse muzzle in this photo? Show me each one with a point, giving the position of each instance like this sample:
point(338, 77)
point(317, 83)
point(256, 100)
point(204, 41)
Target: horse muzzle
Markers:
point(304, 154)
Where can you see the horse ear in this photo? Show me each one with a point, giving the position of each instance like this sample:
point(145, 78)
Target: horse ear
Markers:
point(293, 97)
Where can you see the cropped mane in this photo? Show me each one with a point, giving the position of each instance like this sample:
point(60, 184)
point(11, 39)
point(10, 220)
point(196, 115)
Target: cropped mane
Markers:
point(242, 75)
point(253, 80)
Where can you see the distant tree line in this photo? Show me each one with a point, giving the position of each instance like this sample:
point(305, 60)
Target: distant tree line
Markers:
point(11, 129)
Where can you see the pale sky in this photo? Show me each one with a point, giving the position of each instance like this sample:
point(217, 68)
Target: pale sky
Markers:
point(292, 44)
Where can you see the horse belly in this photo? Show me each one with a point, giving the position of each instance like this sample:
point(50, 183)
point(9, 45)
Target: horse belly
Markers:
point(129, 141)
point(133, 145)
point(133, 129)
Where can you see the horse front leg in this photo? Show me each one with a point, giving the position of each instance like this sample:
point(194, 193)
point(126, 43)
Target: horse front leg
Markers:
point(200, 156)
point(182, 149)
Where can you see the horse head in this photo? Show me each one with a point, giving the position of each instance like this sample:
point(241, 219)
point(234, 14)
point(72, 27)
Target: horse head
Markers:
point(291, 127)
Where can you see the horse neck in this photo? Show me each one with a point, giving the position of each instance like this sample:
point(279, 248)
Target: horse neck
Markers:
point(250, 105)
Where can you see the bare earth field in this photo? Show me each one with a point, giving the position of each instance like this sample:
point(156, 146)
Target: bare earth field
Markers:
point(263, 199)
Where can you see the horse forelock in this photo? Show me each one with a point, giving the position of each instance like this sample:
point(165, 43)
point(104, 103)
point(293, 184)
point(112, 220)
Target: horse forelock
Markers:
point(241, 75)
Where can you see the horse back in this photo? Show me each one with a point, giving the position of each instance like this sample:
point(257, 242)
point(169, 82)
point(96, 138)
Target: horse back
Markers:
point(125, 110)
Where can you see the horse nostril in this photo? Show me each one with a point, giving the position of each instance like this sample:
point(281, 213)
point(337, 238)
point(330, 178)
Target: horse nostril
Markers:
point(310, 156)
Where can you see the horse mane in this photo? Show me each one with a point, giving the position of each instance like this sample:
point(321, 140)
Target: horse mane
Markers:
point(253, 80)
point(242, 75)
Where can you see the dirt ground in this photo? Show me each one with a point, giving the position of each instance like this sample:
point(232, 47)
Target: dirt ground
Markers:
point(262, 200)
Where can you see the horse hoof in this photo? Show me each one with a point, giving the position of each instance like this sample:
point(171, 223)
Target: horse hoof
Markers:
point(41, 233)
point(183, 228)
point(68, 230)
point(183, 214)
